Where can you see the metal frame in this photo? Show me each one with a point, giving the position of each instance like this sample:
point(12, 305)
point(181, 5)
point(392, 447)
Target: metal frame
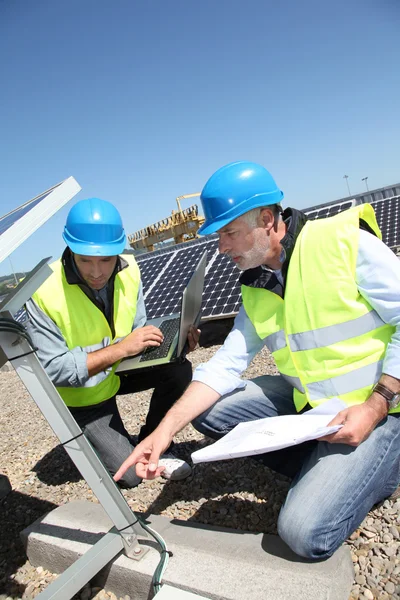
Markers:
point(14, 347)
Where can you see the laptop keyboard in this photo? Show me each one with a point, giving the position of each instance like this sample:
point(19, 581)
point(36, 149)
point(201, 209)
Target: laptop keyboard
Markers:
point(169, 327)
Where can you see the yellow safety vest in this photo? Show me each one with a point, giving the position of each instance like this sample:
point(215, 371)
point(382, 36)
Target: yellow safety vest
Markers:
point(326, 339)
point(83, 324)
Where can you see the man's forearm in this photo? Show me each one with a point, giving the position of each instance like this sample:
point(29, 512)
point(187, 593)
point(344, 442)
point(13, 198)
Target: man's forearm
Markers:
point(103, 359)
point(197, 398)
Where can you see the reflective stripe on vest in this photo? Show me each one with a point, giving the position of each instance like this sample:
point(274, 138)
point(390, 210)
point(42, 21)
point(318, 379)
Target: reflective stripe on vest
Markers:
point(275, 341)
point(332, 334)
point(83, 324)
point(326, 339)
point(325, 336)
point(343, 384)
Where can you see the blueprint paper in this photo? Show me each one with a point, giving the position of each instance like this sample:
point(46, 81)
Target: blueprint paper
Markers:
point(272, 433)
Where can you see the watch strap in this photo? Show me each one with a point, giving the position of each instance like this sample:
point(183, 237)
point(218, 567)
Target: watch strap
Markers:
point(384, 391)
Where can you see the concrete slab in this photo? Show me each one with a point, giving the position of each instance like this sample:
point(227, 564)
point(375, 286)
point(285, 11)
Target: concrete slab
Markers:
point(5, 486)
point(218, 563)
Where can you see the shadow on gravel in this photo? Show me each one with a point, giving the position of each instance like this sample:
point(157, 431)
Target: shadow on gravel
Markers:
point(17, 511)
point(56, 468)
point(225, 492)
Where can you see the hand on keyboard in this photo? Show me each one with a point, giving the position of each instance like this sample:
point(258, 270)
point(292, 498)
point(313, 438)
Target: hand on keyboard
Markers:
point(168, 328)
point(142, 338)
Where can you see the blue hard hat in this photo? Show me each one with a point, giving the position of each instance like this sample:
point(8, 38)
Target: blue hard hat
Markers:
point(235, 189)
point(94, 228)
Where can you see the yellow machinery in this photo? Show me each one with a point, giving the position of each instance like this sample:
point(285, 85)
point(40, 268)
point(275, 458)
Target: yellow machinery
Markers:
point(182, 225)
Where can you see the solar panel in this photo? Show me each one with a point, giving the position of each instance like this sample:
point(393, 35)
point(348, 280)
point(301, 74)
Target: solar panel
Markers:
point(171, 270)
point(17, 225)
point(328, 211)
point(150, 268)
point(387, 213)
point(221, 296)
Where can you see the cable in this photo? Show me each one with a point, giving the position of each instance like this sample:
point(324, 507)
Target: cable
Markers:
point(16, 328)
point(11, 322)
point(8, 329)
point(165, 554)
point(11, 326)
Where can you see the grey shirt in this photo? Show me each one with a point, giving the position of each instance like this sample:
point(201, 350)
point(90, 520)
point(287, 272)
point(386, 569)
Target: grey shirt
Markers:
point(66, 368)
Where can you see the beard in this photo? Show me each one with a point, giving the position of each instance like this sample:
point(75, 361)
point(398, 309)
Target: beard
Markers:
point(254, 257)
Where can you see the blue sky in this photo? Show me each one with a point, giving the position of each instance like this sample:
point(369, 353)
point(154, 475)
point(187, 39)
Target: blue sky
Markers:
point(142, 101)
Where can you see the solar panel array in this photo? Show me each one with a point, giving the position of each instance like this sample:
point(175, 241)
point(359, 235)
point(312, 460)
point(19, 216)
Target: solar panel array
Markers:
point(387, 212)
point(388, 216)
point(166, 272)
point(329, 211)
point(221, 296)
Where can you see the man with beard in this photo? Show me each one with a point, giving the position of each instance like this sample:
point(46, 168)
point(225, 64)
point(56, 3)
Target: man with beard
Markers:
point(324, 297)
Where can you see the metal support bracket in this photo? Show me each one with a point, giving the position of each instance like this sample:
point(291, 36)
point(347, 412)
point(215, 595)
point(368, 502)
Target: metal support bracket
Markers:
point(84, 569)
point(127, 532)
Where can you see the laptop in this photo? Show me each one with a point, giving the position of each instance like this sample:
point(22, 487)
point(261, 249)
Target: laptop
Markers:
point(175, 327)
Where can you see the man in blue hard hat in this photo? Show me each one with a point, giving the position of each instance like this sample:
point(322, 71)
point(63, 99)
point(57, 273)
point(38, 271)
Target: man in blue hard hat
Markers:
point(86, 317)
point(324, 297)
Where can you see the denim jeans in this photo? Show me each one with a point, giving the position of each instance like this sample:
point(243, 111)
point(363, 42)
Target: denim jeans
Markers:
point(334, 485)
point(102, 423)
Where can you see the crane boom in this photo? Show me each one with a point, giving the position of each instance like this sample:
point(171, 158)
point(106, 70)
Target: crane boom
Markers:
point(182, 225)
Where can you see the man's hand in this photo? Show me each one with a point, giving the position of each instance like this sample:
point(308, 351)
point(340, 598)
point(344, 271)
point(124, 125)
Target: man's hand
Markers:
point(358, 422)
point(193, 338)
point(146, 456)
point(140, 339)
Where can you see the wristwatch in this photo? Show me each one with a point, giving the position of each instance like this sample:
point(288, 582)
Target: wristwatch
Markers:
point(391, 398)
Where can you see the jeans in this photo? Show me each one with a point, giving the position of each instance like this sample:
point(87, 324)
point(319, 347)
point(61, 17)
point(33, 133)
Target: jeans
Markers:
point(102, 423)
point(334, 486)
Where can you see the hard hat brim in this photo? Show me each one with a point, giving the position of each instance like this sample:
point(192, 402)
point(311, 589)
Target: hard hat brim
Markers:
point(213, 225)
point(92, 249)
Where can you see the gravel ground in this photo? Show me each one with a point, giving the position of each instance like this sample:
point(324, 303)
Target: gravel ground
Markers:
point(241, 494)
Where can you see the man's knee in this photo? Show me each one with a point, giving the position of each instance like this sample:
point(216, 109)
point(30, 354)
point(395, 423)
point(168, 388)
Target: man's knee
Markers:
point(130, 479)
point(112, 463)
point(207, 425)
point(199, 424)
point(178, 374)
point(307, 535)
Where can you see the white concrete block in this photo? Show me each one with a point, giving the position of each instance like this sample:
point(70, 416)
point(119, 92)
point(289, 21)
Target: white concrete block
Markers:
point(218, 563)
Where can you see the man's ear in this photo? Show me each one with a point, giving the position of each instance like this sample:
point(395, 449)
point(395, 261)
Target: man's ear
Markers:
point(267, 219)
